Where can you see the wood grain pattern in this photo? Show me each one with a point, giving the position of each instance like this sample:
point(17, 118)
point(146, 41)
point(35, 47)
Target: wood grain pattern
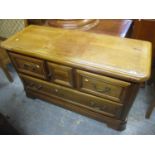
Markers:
point(106, 107)
point(61, 74)
point(111, 122)
point(119, 57)
point(102, 86)
point(95, 75)
point(27, 65)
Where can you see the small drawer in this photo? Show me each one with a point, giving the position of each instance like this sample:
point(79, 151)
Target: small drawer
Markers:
point(103, 106)
point(28, 65)
point(60, 74)
point(101, 86)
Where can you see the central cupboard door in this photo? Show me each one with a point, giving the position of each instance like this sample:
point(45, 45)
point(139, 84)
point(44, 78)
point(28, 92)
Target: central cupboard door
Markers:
point(60, 74)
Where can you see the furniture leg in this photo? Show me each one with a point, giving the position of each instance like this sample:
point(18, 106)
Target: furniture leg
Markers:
point(150, 109)
point(4, 67)
point(120, 126)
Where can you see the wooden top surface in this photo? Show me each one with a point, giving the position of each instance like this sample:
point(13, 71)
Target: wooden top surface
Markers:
point(119, 57)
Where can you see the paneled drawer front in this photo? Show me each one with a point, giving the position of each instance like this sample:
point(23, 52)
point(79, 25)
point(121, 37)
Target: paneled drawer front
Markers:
point(28, 65)
point(60, 74)
point(101, 86)
point(93, 103)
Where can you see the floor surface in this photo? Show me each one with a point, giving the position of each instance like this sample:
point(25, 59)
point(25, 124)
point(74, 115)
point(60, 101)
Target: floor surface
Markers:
point(35, 117)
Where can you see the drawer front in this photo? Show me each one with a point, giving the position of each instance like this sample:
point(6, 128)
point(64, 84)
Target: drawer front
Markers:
point(102, 86)
point(28, 65)
point(60, 74)
point(90, 102)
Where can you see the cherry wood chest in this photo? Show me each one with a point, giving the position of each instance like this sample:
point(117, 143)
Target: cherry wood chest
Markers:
point(95, 75)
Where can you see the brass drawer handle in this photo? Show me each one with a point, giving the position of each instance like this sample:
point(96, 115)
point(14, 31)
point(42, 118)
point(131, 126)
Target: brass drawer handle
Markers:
point(103, 107)
point(26, 66)
point(102, 90)
point(31, 84)
point(34, 67)
point(97, 108)
point(100, 108)
point(39, 87)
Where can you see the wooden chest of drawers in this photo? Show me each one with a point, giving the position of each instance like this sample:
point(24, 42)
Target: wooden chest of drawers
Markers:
point(95, 75)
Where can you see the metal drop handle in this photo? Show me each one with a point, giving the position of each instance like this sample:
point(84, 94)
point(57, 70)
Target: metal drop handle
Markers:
point(31, 84)
point(102, 90)
point(39, 87)
point(103, 107)
point(26, 66)
point(33, 66)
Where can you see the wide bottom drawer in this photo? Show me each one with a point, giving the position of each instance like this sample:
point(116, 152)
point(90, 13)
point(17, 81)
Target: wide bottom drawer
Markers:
point(91, 102)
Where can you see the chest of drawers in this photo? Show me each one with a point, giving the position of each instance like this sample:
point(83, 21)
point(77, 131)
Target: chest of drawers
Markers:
point(95, 75)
